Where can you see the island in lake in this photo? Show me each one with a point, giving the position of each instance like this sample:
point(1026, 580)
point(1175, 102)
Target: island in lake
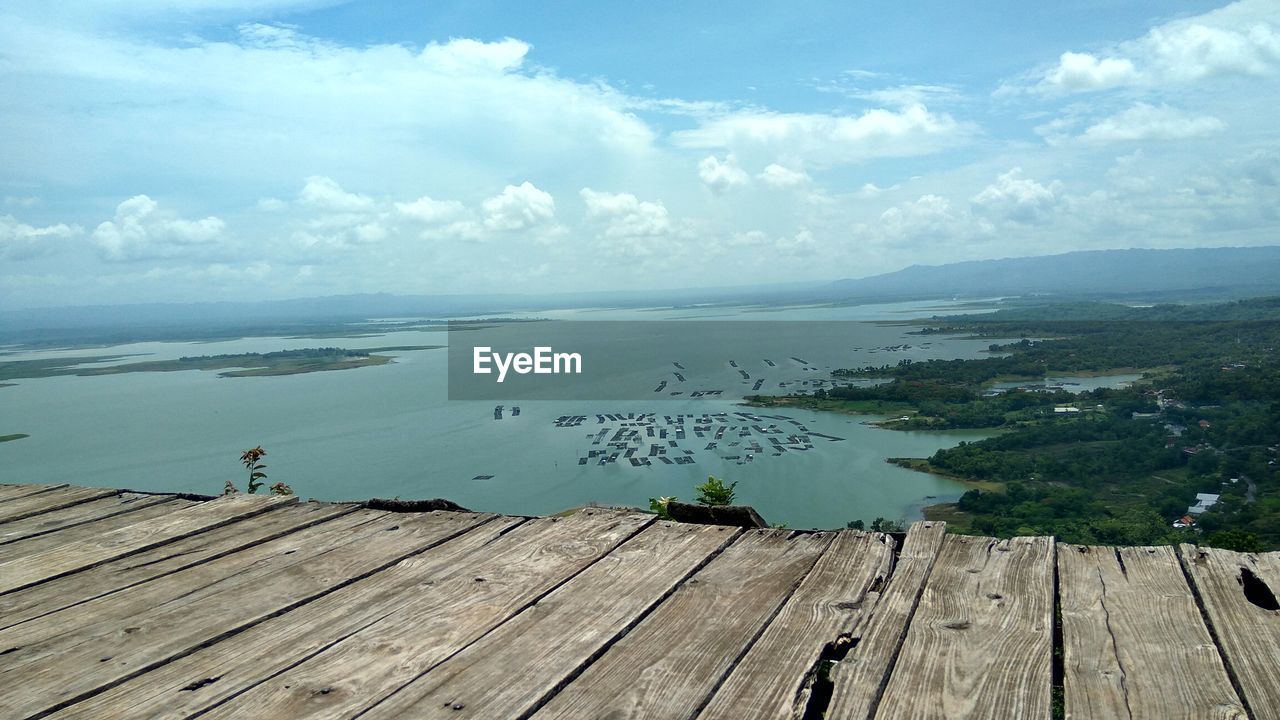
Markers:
point(282, 362)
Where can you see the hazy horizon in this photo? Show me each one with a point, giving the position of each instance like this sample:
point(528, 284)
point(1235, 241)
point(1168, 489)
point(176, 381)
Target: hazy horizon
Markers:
point(212, 150)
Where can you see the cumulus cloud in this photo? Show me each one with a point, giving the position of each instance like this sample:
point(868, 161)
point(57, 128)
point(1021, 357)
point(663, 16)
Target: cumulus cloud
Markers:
point(929, 213)
point(273, 99)
point(519, 207)
point(1077, 72)
point(322, 193)
point(1150, 122)
point(20, 241)
point(1240, 39)
point(634, 228)
point(431, 212)
point(140, 230)
point(1018, 198)
point(801, 244)
point(463, 56)
point(775, 175)
point(827, 139)
point(720, 176)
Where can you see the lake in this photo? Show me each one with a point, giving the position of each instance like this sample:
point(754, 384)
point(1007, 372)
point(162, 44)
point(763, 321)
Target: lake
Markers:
point(391, 431)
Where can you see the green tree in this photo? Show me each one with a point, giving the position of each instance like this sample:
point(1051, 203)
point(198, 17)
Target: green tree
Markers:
point(1237, 540)
point(715, 492)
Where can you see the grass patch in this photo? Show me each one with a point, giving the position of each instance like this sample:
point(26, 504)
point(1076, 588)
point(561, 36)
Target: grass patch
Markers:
point(15, 436)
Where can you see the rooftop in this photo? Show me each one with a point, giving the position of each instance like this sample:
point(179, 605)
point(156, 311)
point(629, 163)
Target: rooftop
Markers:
point(119, 604)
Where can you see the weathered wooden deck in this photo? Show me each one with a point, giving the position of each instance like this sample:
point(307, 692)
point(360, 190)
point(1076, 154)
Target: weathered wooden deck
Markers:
point(129, 606)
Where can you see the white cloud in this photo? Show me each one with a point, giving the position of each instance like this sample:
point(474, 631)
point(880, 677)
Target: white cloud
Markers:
point(1149, 122)
point(140, 230)
point(465, 56)
point(870, 190)
point(824, 140)
point(930, 220)
point(800, 245)
point(1018, 198)
point(519, 208)
point(322, 193)
point(720, 176)
point(1240, 39)
point(624, 216)
point(20, 241)
point(1192, 50)
point(1078, 72)
point(775, 175)
point(431, 212)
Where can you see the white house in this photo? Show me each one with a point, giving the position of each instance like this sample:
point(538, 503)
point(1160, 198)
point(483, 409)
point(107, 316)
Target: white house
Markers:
point(1204, 501)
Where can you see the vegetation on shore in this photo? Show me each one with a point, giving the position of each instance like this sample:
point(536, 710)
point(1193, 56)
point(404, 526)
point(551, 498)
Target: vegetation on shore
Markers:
point(1108, 466)
point(283, 362)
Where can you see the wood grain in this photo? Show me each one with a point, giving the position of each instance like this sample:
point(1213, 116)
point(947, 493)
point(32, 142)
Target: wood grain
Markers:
point(513, 669)
point(1248, 633)
point(72, 654)
point(859, 680)
point(446, 615)
point(48, 501)
point(1133, 641)
point(11, 491)
point(980, 643)
point(673, 661)
point(225, 669)
point(80, 522)
point(69, 590)
point(73, 557)
point(774, 678)
point(76, 515)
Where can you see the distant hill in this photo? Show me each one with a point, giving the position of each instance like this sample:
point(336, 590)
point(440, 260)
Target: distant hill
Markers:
point(1232, 271)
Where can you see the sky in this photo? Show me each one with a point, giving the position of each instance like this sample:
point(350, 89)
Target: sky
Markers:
point(190, 150)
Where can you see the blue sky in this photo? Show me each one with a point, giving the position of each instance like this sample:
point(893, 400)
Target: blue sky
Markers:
point(170, 150)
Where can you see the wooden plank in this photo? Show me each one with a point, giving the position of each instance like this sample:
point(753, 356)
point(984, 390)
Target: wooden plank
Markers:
point(212, 674)
point(1239, 592)
point(450, 613)
point(76, 653)
point(773, 680)
point(50, 500)
point(66, 559)
point(980, 644)
point(12, 491)
point(859, 680)
point(78, 522)
point(513, 669)
point(671, 663)
point(69, 590)
point(76, 515)
point(1134, 645)
point(56, 632)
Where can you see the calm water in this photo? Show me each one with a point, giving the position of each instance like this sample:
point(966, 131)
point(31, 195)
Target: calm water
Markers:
point(390, 431)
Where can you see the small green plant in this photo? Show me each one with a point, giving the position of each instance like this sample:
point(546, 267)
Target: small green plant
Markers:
point(715, 492)
point(251, 459)
point(659, 506)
